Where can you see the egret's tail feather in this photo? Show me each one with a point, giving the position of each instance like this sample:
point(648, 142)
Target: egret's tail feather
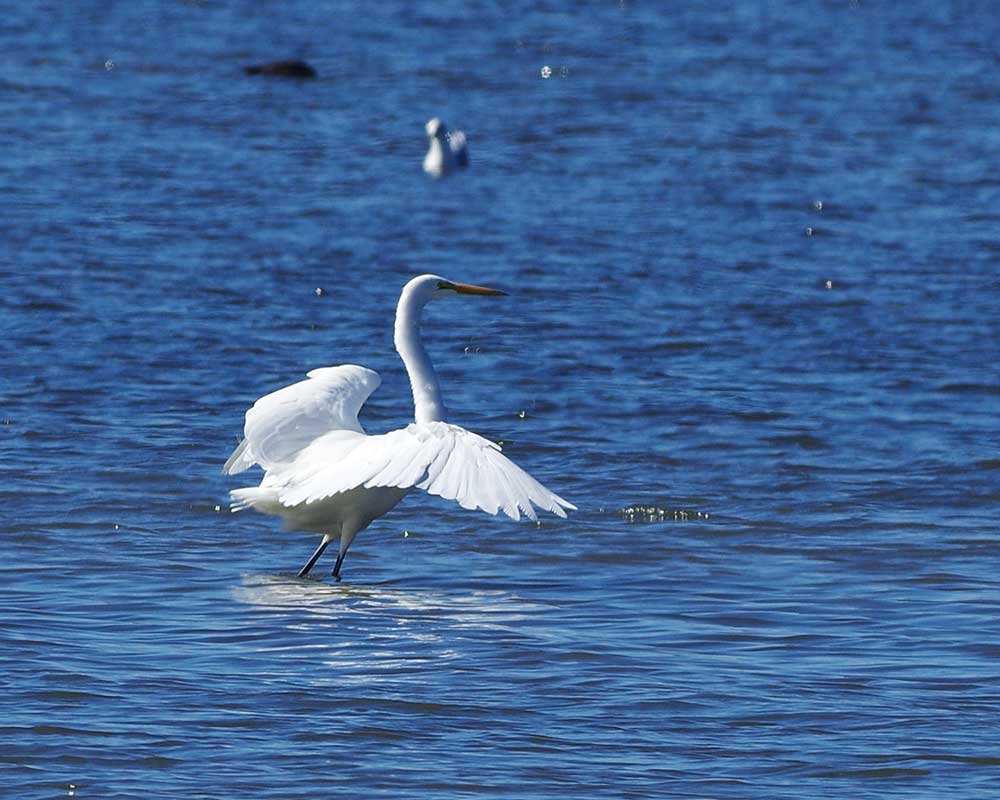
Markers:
point(265, 500)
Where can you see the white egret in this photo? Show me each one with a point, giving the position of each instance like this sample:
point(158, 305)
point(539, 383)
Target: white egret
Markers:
point(323, 473)
point(447, 149)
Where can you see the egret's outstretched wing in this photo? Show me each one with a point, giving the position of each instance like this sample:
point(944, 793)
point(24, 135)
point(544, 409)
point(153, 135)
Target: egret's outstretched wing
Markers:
point(442, 459)
point(280, 425)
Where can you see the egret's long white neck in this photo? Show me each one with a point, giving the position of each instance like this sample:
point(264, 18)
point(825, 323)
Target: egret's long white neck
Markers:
point(427, 403)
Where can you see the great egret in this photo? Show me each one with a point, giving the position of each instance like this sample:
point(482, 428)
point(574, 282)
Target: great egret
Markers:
point(447, 149)
point(323, 473)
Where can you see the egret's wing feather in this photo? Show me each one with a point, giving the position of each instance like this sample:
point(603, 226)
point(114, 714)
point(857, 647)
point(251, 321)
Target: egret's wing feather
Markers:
point(240, 459)
point(282, 424)
point(442, 459)
point(341, 461)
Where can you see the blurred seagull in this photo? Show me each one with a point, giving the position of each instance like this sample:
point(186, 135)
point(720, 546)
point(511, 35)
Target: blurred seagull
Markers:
point(323, 473)
point(447, 149)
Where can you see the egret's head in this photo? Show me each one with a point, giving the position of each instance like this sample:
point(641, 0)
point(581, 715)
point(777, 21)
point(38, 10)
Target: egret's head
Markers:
point(446, 288)
point(434, 127)
point(425, 288)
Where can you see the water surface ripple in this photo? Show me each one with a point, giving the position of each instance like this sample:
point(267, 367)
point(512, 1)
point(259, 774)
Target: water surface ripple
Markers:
point(751, 333)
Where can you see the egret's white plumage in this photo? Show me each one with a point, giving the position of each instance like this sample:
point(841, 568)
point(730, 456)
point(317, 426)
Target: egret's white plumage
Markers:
point(323, 473)
point(447, 150)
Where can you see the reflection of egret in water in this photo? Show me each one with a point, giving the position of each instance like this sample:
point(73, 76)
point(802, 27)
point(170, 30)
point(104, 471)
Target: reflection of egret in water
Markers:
point(365, 635)
point(289, 592)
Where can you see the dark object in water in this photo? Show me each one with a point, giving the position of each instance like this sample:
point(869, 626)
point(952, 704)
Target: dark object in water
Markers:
point(293, 68)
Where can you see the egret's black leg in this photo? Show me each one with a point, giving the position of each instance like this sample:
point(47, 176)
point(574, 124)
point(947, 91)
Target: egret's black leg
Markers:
point(315, 556)
point(336, 567)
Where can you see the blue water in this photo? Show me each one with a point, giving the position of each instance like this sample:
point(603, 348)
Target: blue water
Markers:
point(752, 332)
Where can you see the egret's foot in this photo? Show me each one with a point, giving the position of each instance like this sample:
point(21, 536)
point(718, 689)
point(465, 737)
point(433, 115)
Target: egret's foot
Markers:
point(315, 556)
point(336, 567)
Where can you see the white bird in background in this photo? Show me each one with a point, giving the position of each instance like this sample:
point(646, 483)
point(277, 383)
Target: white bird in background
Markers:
point(323, 473)
point(447, 149)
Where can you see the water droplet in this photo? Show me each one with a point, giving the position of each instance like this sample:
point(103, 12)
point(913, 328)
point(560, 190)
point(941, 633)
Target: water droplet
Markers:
point(521, 414)
point(829, 284)
point(218, 508)
point(641, 514)
point(406, 534)
point(546, 71)
point(320, 291)
point(818, 205)
point(109, 65)
point(809, 231)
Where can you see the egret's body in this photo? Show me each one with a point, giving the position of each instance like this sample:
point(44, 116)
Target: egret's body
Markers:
point(323, 473)
point(446, 151)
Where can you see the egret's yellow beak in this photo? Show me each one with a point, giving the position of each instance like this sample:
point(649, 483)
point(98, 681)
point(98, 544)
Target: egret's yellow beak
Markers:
point(468, 288)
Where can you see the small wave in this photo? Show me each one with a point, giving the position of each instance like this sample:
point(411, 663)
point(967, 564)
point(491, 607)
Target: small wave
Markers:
point(760, 416)
point(804, 440)
point(969, 388)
